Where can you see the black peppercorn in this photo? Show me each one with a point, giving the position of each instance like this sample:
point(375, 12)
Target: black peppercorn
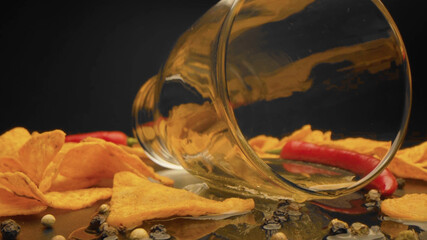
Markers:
point(10, 229)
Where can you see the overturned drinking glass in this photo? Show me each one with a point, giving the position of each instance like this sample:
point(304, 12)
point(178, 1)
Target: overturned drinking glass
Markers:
point(270, 71)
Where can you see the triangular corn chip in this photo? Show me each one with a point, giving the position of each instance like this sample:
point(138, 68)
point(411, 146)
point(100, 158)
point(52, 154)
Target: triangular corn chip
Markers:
point(10, 164)
point(52, 170)
point(360, 145)
point(21, 185)
point(36, 154)
point(409, 207)
point(12, 140)
point(96, 158)
point(299, 134)
point(410, 162)
point(12, 205)
point(62, 183)
point(77, 199)
point(138, 151)
point(136, 199)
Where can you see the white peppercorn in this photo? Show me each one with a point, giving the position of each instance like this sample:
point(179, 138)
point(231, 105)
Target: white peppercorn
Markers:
point(48, 220)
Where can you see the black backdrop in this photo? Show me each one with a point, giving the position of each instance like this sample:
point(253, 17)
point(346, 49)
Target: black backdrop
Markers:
point(77, 65)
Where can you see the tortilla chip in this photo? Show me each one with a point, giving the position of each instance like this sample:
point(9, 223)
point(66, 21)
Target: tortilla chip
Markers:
point(266, 143)
point(138, 151)
point(96, 158)
point(263, 142)
point(360, 145)
point(410, 162)
point(12, 205)
point(62, 183)
point(408, 207)
point(52, 169)
point(39, 151)
point(77, 199)
point(12, 140)
point(299, 134)
point(21, 185)
point(10, 164)
point(136, 199)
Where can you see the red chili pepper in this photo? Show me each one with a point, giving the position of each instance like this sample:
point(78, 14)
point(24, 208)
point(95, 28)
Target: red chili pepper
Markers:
point(357, 163)
point(109, 136)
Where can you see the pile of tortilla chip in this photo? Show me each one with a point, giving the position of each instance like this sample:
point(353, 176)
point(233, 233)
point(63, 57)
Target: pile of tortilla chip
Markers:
point(40, 170)
point(407, 163)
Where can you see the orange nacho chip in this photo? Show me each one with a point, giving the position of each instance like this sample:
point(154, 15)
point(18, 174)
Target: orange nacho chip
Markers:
point(360, 145)
point(411, 162)
point(62, 183)
point(31, 167)
point(138, 151)
point(52, 170)
point(21, 185)
point(96, 158)
point(12, 205)
point(262, 143)
point(77, 199)
point(136, 199)
point(12, 140)
point(409, 207)
point(36, 154)
point(305, 134)
point(9, 164)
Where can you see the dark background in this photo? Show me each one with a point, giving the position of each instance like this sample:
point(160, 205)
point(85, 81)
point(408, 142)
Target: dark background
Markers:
point(77, 65)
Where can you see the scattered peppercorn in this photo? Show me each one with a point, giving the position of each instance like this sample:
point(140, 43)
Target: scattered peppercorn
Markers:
point(373, 196)
point(104, 208)
point(400, 183)
point(96, 222)
point(103, 226)
point(158, 228)
point(375, 229)
point(108, 231)
point(115, 237)
point(121, 229)
point(337, 227)
point(58, 237)
point(294, 206)
point(160, 236)
point(271, 224)
point(407, 235)
point(359, 229)
point(279, 236)
point(280, 215)
point(139, 234)
point(9, 229)
point(294, 215)
point(284, 203)
point(158, 232)
point(48, 220)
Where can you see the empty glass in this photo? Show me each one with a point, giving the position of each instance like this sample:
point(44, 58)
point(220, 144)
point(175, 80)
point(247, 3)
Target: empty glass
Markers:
point(251, 68)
